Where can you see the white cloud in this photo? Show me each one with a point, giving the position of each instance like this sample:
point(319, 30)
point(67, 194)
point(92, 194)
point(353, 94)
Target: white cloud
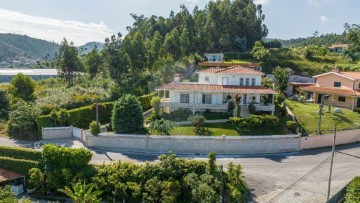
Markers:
point(262, 2)
point(192, 3)
point(324, 18)
point(52, 29)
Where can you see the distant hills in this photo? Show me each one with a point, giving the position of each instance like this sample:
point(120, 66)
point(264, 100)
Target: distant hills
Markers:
point(321, 40)
point(21, 49)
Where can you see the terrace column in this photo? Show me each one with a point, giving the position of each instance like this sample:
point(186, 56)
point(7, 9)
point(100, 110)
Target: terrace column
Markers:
point(272, 99)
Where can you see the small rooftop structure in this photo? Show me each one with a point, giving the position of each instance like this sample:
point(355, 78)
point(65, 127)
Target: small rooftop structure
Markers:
point(6, 75)
point(215, 57)
point(338, 47)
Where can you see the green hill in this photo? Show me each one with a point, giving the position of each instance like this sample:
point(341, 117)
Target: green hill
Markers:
point(13, 46)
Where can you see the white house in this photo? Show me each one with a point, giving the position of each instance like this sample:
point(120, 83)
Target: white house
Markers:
point(215, 88)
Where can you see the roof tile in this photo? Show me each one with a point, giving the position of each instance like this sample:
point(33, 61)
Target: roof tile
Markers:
point(331, 90)
point(232, 70)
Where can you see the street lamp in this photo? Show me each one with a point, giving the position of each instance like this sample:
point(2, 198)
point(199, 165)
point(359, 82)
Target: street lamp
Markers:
point(322, 103)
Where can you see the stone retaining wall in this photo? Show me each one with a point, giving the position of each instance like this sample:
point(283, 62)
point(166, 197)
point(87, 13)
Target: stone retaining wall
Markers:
point(57, 132)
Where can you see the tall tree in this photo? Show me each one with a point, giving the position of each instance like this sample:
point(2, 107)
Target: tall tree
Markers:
point(281, 78)
point(353, 35)
point(259, 52)
point(22, 87)
point(171, 44)
point(93, 62)
point(68, 61)
point(185, 45)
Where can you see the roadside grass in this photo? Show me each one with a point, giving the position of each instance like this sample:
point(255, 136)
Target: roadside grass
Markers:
point(308, 118)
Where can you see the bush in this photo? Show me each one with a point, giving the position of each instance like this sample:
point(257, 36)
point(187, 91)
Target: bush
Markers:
point(198, 122)
point(156, 105)
point(353, 191)
point(145, 101)
point(20, 166)
point(291, 125)
point(22, 119)
point(20, 153)
point(279, 98)
point(80, 117)
point(127, 115)
point(254, 121)
point(94, 128)
point(357, 110)
point(162, 126)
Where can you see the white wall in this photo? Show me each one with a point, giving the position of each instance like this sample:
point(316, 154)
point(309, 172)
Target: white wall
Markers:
point(196, 144)
point(344, 137)
point(195, 97)
point(233, 79)
point(56, 133)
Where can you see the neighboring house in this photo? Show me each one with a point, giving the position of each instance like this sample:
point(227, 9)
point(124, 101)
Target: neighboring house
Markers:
point(343, 88)
point(338, 47)
point(215, 88)
point(6, 75)
point(295, 83)
point(215, 57)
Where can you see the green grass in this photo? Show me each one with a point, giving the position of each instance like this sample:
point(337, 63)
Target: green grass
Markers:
point(308, 118)
point(239, 61)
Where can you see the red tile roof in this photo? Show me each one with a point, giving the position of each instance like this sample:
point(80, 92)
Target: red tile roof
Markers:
point(8, 175)
point(216, 88)
point(331, 90)
point(351, 74)
point(232, 70)
point(339, 46)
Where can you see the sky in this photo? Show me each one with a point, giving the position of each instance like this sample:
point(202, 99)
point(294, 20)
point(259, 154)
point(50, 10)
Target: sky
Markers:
point(83, 21)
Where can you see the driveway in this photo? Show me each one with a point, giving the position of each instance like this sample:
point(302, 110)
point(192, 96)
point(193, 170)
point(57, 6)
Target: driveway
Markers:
point(286, 177)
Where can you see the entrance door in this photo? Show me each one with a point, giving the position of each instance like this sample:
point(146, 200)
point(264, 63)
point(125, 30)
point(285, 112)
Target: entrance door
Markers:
point(245, 99)
point(358, 103)
point(319, 98)
point(225, 80)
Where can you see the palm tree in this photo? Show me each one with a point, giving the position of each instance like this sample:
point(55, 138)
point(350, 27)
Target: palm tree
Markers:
point(82, 193)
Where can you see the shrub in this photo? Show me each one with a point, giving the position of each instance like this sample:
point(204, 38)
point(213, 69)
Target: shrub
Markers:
point(357, 110)
point(62, 116)
point(162, 126)
point(20, 153)
point(94, 128)
point(156, 105)
point(21, 166)
point(279, 98)
point(37, 180)
point(198, 122)
point(230, 108)
point(291, 125)
point(353, 191)
point(145, 101)
point(22, 119)
point(254, 121)
point(127, 115)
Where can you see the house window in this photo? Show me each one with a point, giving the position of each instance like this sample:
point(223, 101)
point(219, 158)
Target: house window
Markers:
point(207, 79)
point(184, 98)
point(225, 80)
point(341, 99)
point(337, 84)
point(241, 81)
point(247, 82)
point(252, 81)
point(359, 86)
point(206, 99)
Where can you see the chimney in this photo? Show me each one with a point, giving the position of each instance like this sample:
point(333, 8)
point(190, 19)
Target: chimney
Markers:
point(176, 77)
point(335, 69)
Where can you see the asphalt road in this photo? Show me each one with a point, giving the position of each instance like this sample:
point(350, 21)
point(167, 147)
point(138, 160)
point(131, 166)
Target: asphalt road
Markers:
point(286, 177)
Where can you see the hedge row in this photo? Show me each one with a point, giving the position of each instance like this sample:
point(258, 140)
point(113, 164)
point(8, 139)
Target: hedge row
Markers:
point(20, 153)
point(145, 101)
point(20, 166)
point(83, 116)
point(80, 117)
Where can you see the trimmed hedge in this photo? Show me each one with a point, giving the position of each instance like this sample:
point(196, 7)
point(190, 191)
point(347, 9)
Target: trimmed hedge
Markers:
point(357, 110)
point(83, 116)
point(20, 153)
point(20, 166)
point(145, 101)
point(254, 121)
point(353, 191)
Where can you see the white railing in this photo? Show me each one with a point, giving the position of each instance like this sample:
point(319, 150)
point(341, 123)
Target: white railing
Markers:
point(259, 107)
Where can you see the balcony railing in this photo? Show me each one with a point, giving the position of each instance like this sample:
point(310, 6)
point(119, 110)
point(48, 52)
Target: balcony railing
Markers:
point(259, 107)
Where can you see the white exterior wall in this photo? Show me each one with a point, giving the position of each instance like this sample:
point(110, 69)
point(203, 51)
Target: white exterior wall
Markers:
point(196, 97)
point(233, 79)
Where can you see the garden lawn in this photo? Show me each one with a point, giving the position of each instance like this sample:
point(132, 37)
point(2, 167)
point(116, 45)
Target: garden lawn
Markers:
point(308, 118)
point(219, 129)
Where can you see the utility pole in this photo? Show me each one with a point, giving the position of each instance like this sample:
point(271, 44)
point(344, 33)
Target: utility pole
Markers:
point(322, 103)
point(332, 161)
